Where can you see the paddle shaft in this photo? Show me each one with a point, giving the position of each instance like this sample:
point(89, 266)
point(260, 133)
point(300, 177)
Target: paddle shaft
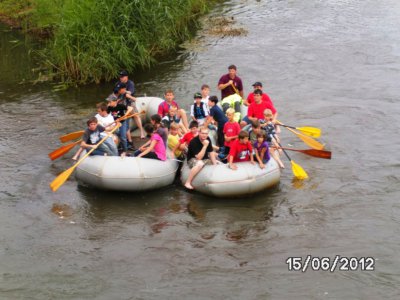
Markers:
point(77, 134)
point(60, 179)
point(312, 152)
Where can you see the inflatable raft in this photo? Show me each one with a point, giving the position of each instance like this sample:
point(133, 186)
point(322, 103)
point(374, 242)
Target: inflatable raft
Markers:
point(128, 173)
point(221, 181)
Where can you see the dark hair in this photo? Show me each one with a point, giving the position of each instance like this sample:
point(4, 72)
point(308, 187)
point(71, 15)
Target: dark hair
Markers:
point(91, 120)
point(232, 67)
point(243, 134)
point(261, 134)
point(121, 86)
point(193, 124)
point(255, 123)
point(102, 106)
point(258, 92)
point(156, 118)
point(148, 128)
point(205, 86)
point(213, 99)
point(168, 91)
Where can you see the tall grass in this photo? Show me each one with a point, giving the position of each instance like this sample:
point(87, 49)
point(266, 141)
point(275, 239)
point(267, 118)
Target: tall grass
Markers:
point(93, 39)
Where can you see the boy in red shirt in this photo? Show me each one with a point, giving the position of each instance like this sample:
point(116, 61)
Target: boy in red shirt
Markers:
point(164, 107)
point(231, 131)
point(256, 109)
point(241, 150)
point(185, 140)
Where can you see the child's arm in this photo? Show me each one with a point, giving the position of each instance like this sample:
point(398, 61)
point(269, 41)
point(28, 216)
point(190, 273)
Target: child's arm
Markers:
point(148, 149)
point(231, 164)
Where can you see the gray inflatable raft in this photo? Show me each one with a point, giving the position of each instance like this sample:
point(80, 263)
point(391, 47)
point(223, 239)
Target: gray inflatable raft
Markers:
point(221, 181)
point(128, 173)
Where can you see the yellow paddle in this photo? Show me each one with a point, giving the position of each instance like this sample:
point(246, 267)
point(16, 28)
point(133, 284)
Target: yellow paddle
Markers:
point(297, 170)
point(60, 179)
point(306, 139)
point(310, 131)
point(77, 134)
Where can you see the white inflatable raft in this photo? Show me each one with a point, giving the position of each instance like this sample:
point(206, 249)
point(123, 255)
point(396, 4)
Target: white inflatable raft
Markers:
point(221, 181)
point(128, 173)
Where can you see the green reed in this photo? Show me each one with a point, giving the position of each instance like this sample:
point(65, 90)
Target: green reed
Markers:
point(93, 39)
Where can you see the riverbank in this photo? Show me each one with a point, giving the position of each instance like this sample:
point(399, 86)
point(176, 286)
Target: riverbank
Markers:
point(89, 41)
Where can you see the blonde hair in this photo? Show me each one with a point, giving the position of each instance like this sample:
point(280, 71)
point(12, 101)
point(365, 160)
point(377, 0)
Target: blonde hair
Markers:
point(173, 108)
point(230, 111)
point(174, 126)
point(267, 112)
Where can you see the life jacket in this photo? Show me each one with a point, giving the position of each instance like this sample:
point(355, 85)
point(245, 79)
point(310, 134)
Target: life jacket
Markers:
point(233, 101)
point(199, 112)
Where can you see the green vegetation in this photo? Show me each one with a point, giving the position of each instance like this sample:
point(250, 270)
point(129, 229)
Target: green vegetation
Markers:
point(90, 40)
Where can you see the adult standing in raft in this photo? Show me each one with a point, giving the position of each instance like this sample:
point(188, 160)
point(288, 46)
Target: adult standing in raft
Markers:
point(124, 81)
point(227, 81)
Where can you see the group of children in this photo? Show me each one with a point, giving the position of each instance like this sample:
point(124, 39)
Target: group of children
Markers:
point(170, 128)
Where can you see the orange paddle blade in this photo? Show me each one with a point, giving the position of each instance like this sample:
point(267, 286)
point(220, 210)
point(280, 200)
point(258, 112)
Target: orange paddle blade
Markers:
point(63, 150)
point(71, 136)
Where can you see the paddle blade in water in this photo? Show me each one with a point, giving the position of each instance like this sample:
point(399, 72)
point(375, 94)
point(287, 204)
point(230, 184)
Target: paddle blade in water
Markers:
point(71, 136)
point(298, 171)
point(60, 179)
point(62, 150)
point(310, 131)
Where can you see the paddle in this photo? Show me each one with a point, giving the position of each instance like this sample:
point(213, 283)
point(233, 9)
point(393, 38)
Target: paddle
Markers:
point(313, 152)
point(77, 134)
point(63, 150)
point(297, 170)
point(311, 131)
point(60, 179)
point(71, 136)
point(306, 139)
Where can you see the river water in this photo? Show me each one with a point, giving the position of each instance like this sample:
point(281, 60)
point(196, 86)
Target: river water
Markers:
point(328, 64)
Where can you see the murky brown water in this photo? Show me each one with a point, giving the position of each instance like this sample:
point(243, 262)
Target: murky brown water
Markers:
point(329, 64)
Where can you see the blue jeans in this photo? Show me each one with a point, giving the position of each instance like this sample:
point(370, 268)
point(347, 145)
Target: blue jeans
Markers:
point(122, 135)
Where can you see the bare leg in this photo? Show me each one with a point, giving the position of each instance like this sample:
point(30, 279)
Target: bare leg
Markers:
point(139, 124)
point(275, 155)
point(77, 154)
point(193, 172)
point(182, 113)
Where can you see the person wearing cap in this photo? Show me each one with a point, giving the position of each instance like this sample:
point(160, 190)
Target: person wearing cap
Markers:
point(256, 109)
point(118, 109)
point(230, 83)
point(124, 78)
point(250, 97)
point(198, 110)
point(125, 98)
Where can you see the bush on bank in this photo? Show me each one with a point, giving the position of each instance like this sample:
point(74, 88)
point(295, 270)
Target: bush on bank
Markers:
point(90, 40)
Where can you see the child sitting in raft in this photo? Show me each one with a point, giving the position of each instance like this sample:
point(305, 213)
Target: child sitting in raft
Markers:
point(231, 132)
point(173, 141)
point(185, 140)
point(240, 150)
point(155, 120)
point(172, 117)
point(107, 121)
point(156, 148)
point(92, 136)
point(271, 137)
point(198, 110)
point(261, 150)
